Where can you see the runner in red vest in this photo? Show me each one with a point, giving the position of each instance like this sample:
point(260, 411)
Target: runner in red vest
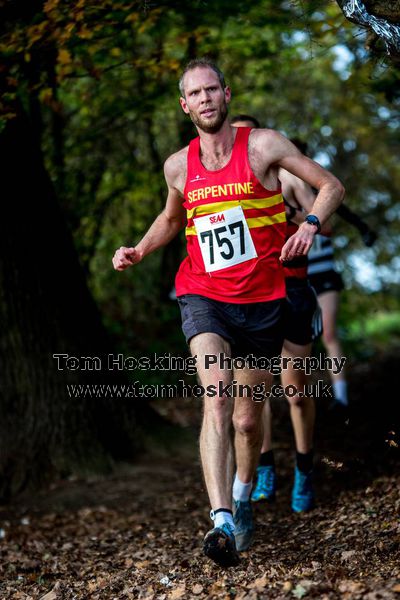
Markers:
point(230, 287)
point(300, 313)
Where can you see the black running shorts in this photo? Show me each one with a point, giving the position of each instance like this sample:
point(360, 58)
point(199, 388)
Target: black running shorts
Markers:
point(255, 328)
point(301, 305)
point(327, 281)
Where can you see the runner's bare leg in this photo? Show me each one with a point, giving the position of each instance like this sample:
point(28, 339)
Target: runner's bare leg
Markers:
point(267, 426)
point(247, 421)
point(216, 439)
point(329, 303)
point(302, 410)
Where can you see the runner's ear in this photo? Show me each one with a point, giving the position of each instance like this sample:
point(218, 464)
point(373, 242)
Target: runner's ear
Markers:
point(183, 103)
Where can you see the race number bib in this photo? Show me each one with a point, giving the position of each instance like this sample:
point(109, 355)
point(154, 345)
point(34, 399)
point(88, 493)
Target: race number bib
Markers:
point(224, 239)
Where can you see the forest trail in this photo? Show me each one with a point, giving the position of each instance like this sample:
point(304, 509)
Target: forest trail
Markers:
point(138, 533)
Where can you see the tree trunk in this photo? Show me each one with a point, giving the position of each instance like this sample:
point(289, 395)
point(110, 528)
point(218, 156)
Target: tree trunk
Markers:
point(377, 41)
point(384, 9)
point(46, 309)
point(381, 8)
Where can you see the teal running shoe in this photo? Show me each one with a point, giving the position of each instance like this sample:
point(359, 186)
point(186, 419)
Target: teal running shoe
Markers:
point(303, 498)
point(219, 545)
point(265, 488)
point(243, 519)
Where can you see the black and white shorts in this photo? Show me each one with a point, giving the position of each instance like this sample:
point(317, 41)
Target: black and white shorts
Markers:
point(303, 319)
point(326, 281)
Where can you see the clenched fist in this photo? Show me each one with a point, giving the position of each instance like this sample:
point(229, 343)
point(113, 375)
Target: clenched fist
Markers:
point(125, 257)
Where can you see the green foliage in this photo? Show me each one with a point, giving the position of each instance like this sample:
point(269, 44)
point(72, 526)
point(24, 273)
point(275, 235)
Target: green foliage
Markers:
point(104, 77)
point(373, 334)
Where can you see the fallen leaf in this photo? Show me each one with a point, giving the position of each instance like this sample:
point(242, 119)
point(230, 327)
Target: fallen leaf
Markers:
point(178, 592)
point(306, 584)
point(259, 584)
point(141, 564)
point(197, 588)
point(347, 554)
point(287, 586)
point(350, 586)
point(52, 595)
point(299, 591)
point(49, 596)
point(216, 588)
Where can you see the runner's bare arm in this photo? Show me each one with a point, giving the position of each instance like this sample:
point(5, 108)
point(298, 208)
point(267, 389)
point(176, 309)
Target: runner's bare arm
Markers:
point(298, 219)
point(165, 227)
point(295, 191)
point(301, 197)
point(277, 151)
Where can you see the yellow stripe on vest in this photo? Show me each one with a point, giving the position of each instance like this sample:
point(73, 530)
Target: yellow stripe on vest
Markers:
point(214, 207)
point(262, 221)
point(252, 222)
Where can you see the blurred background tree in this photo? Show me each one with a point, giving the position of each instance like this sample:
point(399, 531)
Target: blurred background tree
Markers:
point(90, 112)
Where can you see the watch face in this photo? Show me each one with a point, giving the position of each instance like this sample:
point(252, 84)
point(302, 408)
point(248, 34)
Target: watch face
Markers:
point(313, 220)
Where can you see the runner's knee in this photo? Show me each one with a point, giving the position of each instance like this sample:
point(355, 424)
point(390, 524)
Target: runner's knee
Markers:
point(296, 400)
point(329, 335)
point(246, 424)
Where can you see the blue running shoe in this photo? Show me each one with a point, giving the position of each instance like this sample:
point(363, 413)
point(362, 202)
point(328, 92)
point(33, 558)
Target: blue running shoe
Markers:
point(303, 492)
point(219, 545)
point(243, 519)
point(265, 488)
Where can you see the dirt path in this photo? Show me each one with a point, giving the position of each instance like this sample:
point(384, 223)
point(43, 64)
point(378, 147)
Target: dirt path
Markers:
point(138, 533)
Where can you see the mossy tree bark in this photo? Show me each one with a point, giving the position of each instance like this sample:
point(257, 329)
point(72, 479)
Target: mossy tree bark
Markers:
point(46, 309)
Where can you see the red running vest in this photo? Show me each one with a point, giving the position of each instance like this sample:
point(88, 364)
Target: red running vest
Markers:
point(233, 255)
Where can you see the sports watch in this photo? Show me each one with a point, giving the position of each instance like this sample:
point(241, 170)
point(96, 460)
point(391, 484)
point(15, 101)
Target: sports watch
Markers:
point(313, 220)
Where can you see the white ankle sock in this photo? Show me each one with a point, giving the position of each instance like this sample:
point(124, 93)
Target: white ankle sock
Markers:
point(340, 392)
point(241, 491)
point(222, 517)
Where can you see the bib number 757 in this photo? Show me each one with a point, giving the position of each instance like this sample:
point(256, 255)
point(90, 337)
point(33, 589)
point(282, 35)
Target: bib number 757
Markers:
point(224, 239)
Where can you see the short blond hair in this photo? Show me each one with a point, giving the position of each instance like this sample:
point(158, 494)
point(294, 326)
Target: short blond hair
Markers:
point(203, 63)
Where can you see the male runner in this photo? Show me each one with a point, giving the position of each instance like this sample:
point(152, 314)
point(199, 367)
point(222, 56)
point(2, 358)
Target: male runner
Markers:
point(230, 286)
point(328, 284)
point(301, 309)
point(301, 306)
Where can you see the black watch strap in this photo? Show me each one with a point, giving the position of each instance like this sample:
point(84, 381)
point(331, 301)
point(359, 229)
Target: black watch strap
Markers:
point(313, 220)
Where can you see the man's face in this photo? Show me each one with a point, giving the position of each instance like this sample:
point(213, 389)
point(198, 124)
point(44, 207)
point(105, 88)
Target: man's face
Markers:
point(205, 100)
